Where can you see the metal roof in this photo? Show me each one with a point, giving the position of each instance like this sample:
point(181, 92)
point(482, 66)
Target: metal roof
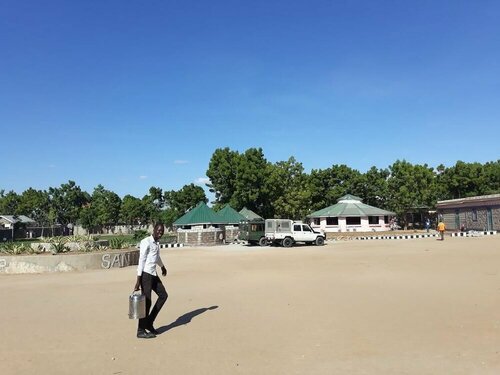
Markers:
point(17, 219)
point(249, 214)
point(469, 200)
point(201, 214)
point(350, 206)
point(229, 215)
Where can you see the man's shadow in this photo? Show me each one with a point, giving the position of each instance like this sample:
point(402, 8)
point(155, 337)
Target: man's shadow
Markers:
point(185, 319)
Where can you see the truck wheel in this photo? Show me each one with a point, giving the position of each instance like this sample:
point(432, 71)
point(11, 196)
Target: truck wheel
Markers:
point(320, 241)
point(287, 242)
point(263, 241)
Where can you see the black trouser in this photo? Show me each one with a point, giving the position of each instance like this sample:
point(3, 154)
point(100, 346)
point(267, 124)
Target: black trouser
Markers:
point(149, 283)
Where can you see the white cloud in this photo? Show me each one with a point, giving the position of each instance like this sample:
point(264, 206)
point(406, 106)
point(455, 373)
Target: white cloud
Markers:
point(202, 180)
point(143, 177)
point(181, 161)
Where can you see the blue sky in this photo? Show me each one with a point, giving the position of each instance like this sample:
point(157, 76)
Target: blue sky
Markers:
point(133, 94)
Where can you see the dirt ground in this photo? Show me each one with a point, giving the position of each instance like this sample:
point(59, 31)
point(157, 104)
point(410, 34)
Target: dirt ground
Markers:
point(355, 307)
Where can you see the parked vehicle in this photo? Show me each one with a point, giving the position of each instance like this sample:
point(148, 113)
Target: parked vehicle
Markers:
point(252, 231)
point(286, 233)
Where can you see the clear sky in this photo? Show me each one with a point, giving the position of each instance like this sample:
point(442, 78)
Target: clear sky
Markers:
point(133, 94)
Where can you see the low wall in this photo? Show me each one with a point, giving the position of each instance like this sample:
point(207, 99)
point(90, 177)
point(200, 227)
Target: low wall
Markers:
point(68, 262)
point(207, 236)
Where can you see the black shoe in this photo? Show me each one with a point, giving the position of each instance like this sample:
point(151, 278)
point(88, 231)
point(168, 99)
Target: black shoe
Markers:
point(145, 335)
point(153, 330)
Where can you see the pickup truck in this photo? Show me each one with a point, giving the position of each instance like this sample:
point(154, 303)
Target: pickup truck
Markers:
point(286, 233)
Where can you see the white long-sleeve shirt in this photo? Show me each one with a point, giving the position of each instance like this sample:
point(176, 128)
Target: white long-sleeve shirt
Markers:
point(149, 256)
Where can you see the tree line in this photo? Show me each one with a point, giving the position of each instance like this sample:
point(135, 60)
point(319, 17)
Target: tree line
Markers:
point(69, 204)
point(284, 190)
point(247, 179)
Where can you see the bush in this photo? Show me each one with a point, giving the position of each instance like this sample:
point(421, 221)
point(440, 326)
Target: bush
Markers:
point(58, 245)
point(118, 243)
point(140, 234)
point(12, 248)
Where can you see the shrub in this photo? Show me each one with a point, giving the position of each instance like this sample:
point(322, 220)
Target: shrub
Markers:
point(118, 243)
point(13, 248)
point(58, 245)
point(140, 234)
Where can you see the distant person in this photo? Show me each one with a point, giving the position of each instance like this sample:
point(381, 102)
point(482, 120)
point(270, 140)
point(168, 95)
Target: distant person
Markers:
point(427, 224)
point(441, 228)
point(148, 280)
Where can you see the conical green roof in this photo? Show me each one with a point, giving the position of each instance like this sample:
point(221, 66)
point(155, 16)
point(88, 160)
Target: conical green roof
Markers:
point(350, 206)
point(201, 214)
point(349, 197)
point(249, 214)
point(229, 215)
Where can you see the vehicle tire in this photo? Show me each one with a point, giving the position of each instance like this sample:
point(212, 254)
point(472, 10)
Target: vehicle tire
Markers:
point(320, 241)
point(263, 241)
point(287, 242)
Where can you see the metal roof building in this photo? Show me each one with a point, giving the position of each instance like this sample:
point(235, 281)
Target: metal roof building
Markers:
point(250, 215)
point(9, 220)
point(350, 214)
point(199, 215)
point(229, 215)
point(473, 213)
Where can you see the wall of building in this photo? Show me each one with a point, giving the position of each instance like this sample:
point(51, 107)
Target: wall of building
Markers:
point(342, 226)
point(466, 218)
point(198, 236)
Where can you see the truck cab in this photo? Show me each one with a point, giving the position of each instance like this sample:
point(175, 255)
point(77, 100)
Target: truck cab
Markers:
point(286, 233)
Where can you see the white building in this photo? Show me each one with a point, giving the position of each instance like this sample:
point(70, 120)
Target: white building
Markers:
point(350, 214)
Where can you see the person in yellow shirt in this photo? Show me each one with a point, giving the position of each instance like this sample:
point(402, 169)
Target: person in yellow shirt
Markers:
point(441, 228)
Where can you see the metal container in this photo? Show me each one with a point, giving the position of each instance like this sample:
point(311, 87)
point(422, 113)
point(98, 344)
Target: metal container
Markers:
point(137, 305)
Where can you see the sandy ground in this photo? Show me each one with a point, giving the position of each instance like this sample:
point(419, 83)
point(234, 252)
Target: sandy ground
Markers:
point(372, 307)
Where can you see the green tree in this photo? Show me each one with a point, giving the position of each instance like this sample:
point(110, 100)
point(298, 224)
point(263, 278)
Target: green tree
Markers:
point(469, 179)
point(132, 211)
point(249, 185)
point(67, 201)
point(491, 177)
point(177, 203)
point(105, 206)
point(372, 187)
point(410, 187)
point(36, 205)
point(222, 172)
point(328, 185)
point(153, 203)
point(289, 190)
point(184, 199)
point(9, 203)
point(88, 218)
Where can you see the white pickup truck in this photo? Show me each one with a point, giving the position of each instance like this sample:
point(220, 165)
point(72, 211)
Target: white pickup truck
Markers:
point(286, 232)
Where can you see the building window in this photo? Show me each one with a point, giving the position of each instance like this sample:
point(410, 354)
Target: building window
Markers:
point(386, 219)
point(332, 221)
point(373, 220)
point(474, 215)
point(316, 221)
point(353, 220)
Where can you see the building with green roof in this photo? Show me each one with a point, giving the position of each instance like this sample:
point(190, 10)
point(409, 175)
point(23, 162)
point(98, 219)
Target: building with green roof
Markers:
point(230, 216)
point(250, 215)
point(350, 214)
point(201, 215)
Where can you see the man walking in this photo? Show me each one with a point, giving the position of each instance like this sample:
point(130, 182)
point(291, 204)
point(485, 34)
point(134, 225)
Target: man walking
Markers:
point(148, 280)
point(441, 228)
